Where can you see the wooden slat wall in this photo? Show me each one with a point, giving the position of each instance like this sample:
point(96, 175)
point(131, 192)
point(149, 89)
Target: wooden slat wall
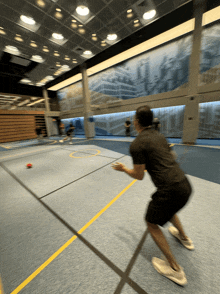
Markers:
point(20, 125)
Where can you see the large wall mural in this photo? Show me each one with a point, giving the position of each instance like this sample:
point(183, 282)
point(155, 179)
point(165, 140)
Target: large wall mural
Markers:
point(158, 71)
point(71, 97)
point(171, 120)
point(210, 55)
point(209, 127)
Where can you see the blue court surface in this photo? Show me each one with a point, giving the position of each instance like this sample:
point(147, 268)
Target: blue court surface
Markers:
point(72, 224)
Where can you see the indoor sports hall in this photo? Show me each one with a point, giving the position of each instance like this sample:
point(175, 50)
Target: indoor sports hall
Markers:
point(73, 76)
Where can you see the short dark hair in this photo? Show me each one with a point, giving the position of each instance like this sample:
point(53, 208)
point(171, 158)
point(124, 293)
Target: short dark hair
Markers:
point(144, 115)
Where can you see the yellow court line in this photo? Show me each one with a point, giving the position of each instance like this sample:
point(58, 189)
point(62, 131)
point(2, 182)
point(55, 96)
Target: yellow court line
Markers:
point(1, 287)
point(49, 260)
point(8, 147)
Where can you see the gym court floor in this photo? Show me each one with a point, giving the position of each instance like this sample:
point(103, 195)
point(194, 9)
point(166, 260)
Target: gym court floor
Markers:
point(72, 224)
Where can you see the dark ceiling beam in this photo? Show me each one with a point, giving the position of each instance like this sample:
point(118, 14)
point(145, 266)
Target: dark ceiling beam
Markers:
point(165, 23)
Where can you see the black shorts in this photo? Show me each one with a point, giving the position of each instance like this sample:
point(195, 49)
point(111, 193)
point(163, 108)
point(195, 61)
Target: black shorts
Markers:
point(68, 133)
point(165, 204)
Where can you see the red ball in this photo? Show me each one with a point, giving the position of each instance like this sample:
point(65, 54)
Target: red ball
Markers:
point(29, 165)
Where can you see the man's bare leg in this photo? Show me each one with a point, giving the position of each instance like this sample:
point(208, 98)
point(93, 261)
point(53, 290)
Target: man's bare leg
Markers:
point(177, 224)
point(161, 242)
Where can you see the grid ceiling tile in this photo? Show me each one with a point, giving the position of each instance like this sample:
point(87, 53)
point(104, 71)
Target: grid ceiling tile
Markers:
point(106, 15)
point(86, 45)
point(32, 11)
point(103, 32)
point(158, 2)
point(43, 31)
point(67, 5)
point(9, 13)
point(124, 32)
point(115, 25)
point(95, 24)
point(15, 4)
point(96, 5)
point(7, 24)
point(46, 8)
point(69, 45)
point(165, 7)
point(119, 6)
point(76, 39)
point(63, 13)
point(125, 20)
point(50, 23)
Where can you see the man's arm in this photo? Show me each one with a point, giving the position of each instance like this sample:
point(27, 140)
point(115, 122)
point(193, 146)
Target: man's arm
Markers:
point(137, 172)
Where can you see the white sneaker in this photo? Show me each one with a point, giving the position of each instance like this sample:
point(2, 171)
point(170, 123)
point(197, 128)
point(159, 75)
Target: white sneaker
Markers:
point(163, 268)
point(186, 243)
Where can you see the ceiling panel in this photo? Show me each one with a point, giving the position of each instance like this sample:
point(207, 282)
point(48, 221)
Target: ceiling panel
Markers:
point(9, 13)
point(31, 11)
point(109, 16)
point(45, 8)
point(106, 15)
point(17, 5)
point(96, 6)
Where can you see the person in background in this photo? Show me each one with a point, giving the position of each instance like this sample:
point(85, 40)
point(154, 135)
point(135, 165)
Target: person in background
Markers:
point(151, 152)
point(127, 127)
point(39, 133)
point(156, 124)
point(69, 134)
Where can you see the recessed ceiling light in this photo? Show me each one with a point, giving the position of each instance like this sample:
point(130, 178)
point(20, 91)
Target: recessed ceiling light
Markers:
point(28, 20)
point(74, 25)
point(58, 15)
point(25, 81)
point(56, 54)
point(112, 37)
point(33, 44)
point(49, 78)
point(12, 48)
point(87, 52)
point(137, 20)
point(129, 10)
point(103, 44)
point(2, 32)
point(18, 38)
point(46, 50)
point(81, 31)
point(150, 14)
point(58, 9)
point(73, 20)
point(65, 67)
point(57, 36)
point(93, 35)
point(67, 58)
point(129, 15)
point(74, 61)
point(94, 38)
point(137, 24)
point(37, 58)
point(41, 3)
point(82, 10)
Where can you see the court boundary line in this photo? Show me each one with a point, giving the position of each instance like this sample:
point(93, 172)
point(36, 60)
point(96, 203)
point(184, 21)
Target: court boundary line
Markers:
point(108, 262)
point(81, 177)
point(46, 150)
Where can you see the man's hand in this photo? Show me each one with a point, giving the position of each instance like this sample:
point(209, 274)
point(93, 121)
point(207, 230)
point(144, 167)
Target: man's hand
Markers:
point(118, 166)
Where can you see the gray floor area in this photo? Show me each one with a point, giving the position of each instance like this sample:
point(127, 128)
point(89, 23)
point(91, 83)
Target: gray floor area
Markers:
point(72, 224)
